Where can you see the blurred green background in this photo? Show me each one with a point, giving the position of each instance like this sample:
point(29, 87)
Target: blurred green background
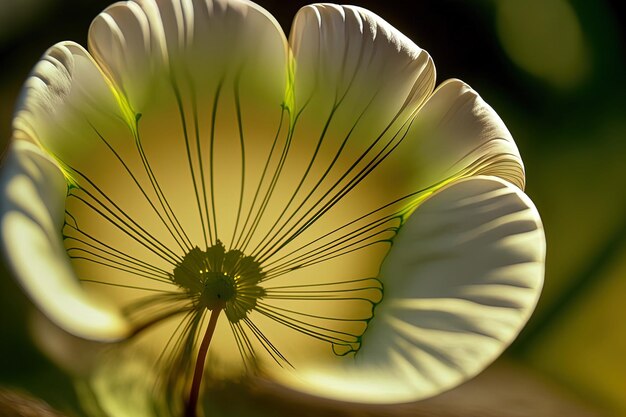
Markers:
point(555, 72)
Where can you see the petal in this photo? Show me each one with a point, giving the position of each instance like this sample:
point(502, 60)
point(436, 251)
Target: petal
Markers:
point(73, 354)
point(137, 43)
point(461, 280)
point(206, 81)
point(355, 84)
point(63, 100)
point(31, 217)
point(197, 91)
point(349, 56)
point(72, 111)
point(457, 134)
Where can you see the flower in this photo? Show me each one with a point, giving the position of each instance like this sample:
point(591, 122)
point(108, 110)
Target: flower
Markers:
point(311, 210)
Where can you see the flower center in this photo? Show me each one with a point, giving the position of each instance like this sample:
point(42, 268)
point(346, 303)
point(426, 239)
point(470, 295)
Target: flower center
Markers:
point(218, 289)
point(219, 279)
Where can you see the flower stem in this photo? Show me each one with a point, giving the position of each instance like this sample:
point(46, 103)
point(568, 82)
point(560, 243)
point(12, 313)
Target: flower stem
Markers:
point(192, 403)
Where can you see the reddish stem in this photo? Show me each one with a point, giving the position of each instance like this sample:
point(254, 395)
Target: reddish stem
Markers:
point(192, 404)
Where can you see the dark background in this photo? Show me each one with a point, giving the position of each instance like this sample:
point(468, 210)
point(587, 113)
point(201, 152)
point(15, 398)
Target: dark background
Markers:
point(554, 71)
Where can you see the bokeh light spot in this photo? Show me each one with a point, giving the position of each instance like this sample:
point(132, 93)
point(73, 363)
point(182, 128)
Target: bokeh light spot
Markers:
point(544, 38)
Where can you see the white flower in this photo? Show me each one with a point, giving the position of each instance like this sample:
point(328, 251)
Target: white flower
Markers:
point(365, 234)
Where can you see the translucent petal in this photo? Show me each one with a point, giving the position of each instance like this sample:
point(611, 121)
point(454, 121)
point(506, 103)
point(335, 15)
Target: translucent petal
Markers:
point(206, 80)
point(31, 218)
point(199, 88)
point(461, 280)
point(357, 82)
point(63, 101)
point(348, 57)
point(456, 133)
point(145, 44)
point(354, 85)
point(73, 112)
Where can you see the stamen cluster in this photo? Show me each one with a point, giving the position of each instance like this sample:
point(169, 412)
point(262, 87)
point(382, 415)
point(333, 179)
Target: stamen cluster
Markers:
point(219, 279)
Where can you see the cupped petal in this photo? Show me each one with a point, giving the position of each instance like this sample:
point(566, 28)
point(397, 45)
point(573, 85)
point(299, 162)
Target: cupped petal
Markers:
point(457, 134)
point(192, 108)
point(355, 83)
point(31, 217)
point(142, 43)
point(462, 278)
point(63, 101)
point(350, 58)
point(205, 81)
point(71, 110)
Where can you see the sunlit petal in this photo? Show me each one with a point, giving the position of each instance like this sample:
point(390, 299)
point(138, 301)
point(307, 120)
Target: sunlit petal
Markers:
point(350, 60)
point(461, 280)
point(148, 45)
point(355, 83)
point(31, 210)
point(73, 112)
point(205, 84)
point(458, 134)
